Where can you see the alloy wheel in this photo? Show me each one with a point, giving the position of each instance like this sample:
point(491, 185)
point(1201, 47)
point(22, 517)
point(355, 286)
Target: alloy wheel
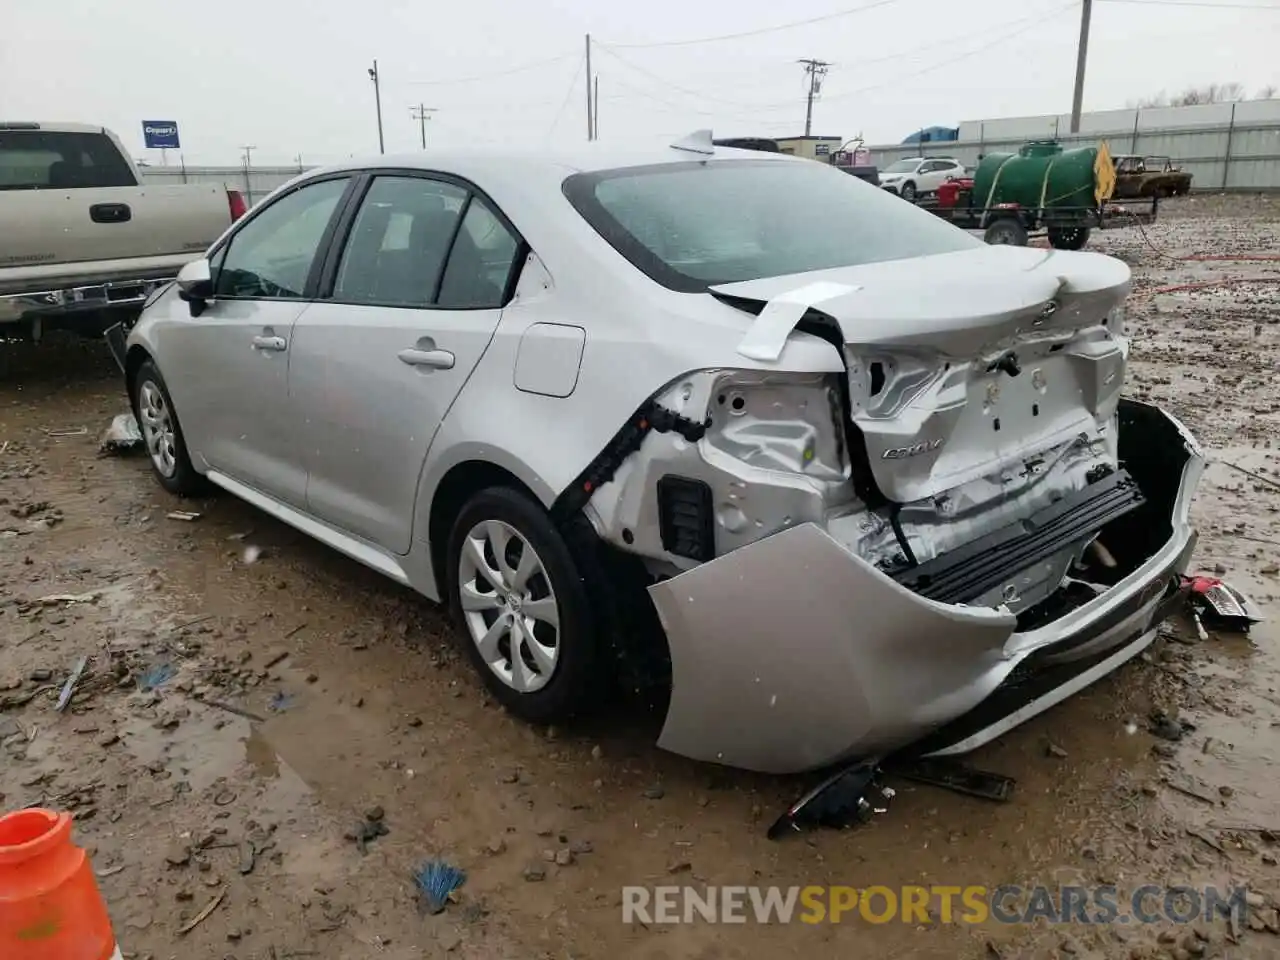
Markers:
point(509, 605)
point(156, 420)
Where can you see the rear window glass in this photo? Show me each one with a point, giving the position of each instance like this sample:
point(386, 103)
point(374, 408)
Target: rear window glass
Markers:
point(47, 159)
point(694, 225)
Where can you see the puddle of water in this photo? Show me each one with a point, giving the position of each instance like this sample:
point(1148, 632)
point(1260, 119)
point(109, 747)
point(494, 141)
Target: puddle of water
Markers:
point(208, 746)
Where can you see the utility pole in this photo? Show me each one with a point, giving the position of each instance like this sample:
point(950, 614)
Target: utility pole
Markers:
point(595, 110)
point(1082, 55)
point(248, 162)
point(298, 160)
point(816, 69)
point(591, 112)
point(377, 99)
point(422, 114)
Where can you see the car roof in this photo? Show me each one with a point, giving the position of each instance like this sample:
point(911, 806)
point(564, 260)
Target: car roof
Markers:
point(478, 163)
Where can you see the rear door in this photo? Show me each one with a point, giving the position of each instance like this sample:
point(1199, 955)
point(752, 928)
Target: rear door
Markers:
point(228, 369)
point(67, 197)
point(415, 294)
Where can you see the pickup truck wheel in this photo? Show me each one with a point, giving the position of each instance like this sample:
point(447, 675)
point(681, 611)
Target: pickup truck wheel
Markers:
point(909, 192)
point(518, 597)
point(162, 433)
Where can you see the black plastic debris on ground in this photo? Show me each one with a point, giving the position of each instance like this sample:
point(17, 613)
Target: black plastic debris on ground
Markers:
point(854, 794)
point(845, 798)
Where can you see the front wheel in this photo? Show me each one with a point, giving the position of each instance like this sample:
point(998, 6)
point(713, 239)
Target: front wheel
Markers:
point(519, 600)
point(1068, 238)
point(909, 192)
point(162, 433)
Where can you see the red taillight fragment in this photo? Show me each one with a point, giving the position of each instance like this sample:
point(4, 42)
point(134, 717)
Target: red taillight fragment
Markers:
point(235, 200)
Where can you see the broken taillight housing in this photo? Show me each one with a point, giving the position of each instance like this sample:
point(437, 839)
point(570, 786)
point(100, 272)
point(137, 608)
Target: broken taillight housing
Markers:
point(793, 422)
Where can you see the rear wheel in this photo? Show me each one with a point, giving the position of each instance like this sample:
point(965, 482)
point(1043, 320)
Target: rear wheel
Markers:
point(909, 192)
point(519, 601)
point(1006, 232)
point(162, 433)
point(1068, 238)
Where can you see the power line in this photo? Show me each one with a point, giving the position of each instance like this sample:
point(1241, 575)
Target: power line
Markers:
point(500, 73)
point(755, 33)
point(938, 65)
point(794, 102)
point(693, 93)
point(568, 96)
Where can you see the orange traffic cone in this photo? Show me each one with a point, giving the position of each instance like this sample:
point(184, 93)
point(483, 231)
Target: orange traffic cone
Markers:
point(50, 907)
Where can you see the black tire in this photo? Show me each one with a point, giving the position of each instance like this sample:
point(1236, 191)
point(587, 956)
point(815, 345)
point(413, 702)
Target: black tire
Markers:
point(183, 480)
point(1068, 238)
point(1006, 231)
point(909, 192)
point(577, 679)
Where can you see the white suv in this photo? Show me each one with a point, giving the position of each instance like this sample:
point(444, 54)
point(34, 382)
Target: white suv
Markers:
point(916, 176)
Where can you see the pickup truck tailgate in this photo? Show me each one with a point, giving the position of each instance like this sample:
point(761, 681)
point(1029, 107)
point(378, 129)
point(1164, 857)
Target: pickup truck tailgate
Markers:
point(40, 227)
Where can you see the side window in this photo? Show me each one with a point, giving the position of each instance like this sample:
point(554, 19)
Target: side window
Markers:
point(399, 242)
point(270, 257)
point(480, 263)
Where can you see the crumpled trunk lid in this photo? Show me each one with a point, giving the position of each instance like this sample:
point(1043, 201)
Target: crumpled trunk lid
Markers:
point(960, 365)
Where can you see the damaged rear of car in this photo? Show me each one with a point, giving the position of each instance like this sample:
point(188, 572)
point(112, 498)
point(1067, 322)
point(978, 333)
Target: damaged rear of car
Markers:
point(951, 526)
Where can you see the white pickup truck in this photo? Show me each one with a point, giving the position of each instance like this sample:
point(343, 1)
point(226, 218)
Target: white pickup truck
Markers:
point(83, 243)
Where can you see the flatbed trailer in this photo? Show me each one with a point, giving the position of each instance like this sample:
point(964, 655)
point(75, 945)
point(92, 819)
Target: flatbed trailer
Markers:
point(1067, 228)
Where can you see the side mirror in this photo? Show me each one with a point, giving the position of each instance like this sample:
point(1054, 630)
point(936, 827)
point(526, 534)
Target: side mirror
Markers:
point(195, 285)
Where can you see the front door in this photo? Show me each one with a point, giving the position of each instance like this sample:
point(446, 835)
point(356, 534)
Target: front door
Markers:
point(235, 403)
point(417, 293)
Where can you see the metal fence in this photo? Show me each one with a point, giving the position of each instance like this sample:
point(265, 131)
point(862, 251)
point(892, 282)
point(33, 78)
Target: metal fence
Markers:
point(255, 183)
point(1231, 154)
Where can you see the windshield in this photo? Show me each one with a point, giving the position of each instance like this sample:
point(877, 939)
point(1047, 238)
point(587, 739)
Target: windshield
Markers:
point(902, 166)
point(36, 159)
point(693, 225)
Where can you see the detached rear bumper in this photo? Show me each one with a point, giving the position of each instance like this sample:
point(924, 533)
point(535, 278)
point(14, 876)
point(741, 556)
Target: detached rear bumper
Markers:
point(792, 653)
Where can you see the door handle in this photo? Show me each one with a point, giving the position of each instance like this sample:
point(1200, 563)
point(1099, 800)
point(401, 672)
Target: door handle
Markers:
point(269, 343)
point(431, 359)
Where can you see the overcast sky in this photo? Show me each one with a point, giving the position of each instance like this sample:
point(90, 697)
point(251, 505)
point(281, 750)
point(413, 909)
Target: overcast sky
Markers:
point(291, 78)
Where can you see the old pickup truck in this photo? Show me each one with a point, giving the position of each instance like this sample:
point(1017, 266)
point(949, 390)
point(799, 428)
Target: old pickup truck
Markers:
point(1143, 177)
point(83, 243)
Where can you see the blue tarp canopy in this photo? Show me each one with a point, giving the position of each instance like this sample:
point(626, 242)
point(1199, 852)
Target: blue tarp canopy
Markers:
point(933, 134)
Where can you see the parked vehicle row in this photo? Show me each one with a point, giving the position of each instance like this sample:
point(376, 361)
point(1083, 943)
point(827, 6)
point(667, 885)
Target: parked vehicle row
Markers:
point(82, 241)
point(617, 409)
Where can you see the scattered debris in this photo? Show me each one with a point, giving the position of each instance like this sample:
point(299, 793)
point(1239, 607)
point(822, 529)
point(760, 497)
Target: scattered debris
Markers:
point(69, 688)
point(203, 915)
point(56, 598)
point(232, 708)
point(656, 792)
point(838, 801)
point(122, 435)
point(534, 873)
point(1221, 605)
point(1190, 788)
point(437, 880)
point(958, 777)
point(186, 515)
point(156, 675)
point(281, 702)
point(69, 432)
point(367, 830)
point(1053, 750)
point(1167, 727)
point(275, 658)
point(1206, 840)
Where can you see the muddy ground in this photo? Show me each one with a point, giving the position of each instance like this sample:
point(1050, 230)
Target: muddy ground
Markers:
point(251, 697)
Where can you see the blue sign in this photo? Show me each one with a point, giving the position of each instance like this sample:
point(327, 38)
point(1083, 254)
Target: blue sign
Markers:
point(160, 134)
